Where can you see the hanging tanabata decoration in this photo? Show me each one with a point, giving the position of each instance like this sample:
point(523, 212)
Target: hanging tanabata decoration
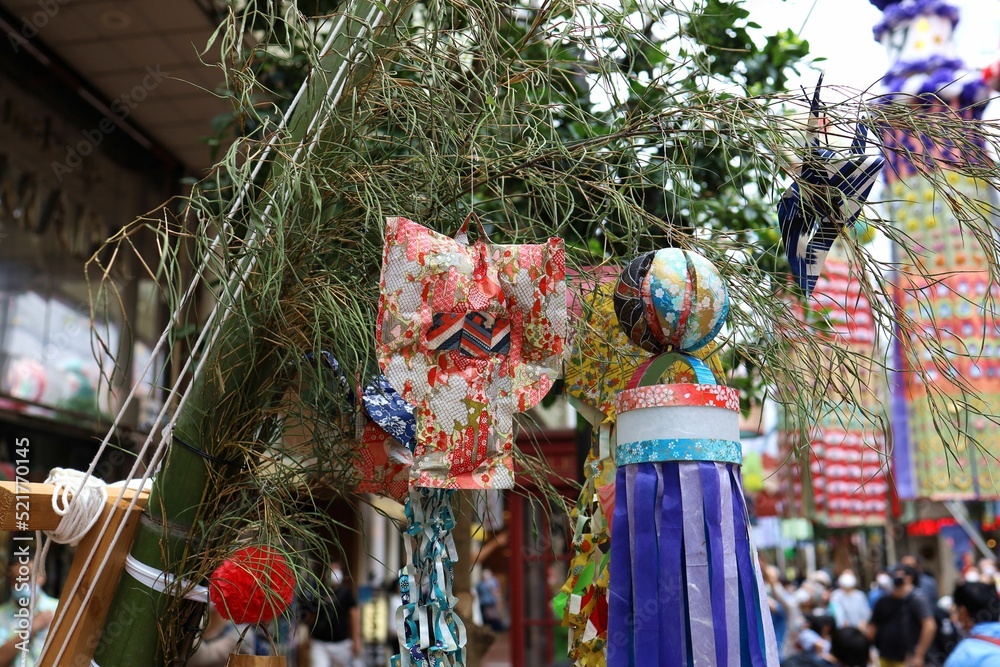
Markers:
point(254, 585)
point(944, 290)
point(686, 587)
point(602, 361)
point(469, 334)
point(831, 189)
point(430, 633)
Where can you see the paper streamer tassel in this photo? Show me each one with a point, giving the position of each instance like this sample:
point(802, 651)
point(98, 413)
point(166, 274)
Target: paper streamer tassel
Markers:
point(430, 633)
point(686, 588)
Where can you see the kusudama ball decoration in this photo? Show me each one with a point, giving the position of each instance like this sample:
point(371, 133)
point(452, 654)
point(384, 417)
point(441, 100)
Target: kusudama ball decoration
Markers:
point(671, 299)
point(253, 585)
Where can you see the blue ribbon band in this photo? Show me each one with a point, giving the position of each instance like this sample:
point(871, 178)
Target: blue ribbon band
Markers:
point(679, 449)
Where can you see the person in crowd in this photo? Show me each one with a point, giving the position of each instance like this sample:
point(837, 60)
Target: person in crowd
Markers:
point(19, 585)
point(848, 605)
point(335, 620)
point(219, 639)
point(971, 575)
point(849, 647)
point(488, 590)
point(902, 625)
point(988, 571)
point(821, 586)
point(924, 582)
point(946, 636)
point(977, 614)
point(789, 610)
point(881, 586)
point(814, 643)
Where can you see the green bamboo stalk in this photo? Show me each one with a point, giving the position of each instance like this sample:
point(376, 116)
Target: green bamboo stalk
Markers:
point(138, 619)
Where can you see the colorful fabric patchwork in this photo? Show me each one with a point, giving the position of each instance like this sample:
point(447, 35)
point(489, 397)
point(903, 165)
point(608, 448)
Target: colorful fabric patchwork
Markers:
point(465, 398)
point(479, 335)
point(392, 414)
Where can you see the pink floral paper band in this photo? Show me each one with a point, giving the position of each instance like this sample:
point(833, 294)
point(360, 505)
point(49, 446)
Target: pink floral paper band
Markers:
point(671, 395)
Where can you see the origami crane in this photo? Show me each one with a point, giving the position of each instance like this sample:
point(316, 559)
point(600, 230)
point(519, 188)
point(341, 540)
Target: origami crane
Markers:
point(834, 188)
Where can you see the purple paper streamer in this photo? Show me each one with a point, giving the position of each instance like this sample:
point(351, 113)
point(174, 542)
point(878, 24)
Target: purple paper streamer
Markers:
point(696, 565)
point(668, 605)
point(619, 647)
point(902, 456)
point(713, 526)
point(770, 642)
point(748, 591)
point(673, 592)
point(645, 611)
point(731, 573)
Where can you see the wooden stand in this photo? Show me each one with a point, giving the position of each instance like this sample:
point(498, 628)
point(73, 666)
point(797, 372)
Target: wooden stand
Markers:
point(40, 516)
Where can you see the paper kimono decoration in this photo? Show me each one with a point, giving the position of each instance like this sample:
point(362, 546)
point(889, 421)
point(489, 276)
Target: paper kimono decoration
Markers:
point(955, 304)
point(832, 188)
point(469, 334)
point(686, 587)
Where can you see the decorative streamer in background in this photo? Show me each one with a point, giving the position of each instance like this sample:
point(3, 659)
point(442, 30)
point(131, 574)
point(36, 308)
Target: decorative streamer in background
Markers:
point(844, 481)
point(935, 457)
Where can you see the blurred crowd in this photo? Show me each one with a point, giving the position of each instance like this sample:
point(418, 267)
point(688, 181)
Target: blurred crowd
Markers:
point(825, 618)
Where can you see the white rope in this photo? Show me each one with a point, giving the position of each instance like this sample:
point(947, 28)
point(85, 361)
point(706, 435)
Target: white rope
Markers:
point(334, 91)
point(164, 582)
point(79, 504)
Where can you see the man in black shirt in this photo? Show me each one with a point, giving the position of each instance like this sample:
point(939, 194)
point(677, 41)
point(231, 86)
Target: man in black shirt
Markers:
point(336, 625)
point(902, 625)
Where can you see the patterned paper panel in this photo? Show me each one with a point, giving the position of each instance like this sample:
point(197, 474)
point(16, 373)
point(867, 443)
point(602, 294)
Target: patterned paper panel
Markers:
point(847, 464)
point(602, 358)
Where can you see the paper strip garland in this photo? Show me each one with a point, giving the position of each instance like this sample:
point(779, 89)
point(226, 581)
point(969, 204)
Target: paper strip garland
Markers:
point(430, 632)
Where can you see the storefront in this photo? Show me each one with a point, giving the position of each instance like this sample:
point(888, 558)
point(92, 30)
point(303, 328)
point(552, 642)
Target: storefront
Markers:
point(76, 167)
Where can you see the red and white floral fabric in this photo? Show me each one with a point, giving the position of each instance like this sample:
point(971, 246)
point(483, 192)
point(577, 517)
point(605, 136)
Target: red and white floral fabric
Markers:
point(469, 334)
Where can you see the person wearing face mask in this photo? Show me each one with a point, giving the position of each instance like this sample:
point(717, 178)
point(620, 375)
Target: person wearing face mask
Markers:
point(881, 586)
point(977, 614)
point(902, 625)
point(988, 571)
point(849, 605)
point(13, 621)
point(335, 621)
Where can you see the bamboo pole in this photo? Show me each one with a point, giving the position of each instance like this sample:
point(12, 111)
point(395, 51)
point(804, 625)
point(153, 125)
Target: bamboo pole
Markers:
point(182, 488)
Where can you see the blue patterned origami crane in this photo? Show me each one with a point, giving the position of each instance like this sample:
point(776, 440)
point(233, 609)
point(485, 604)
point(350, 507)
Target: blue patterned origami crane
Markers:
point(832, 187)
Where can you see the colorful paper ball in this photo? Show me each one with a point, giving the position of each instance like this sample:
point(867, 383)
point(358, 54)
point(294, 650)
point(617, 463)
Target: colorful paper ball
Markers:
point(671, 299)
point(253, 585)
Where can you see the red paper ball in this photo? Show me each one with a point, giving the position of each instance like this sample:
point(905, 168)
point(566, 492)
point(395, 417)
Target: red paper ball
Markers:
point(254, 585)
